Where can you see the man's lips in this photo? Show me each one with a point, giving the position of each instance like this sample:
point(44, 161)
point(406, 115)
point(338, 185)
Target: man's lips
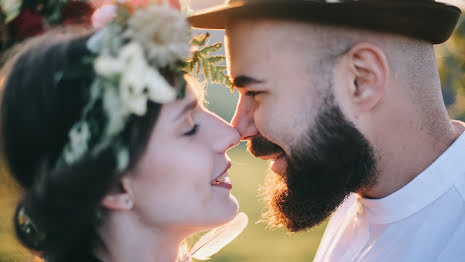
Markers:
point(279, 165)
point(278, 162)
point(223, 180)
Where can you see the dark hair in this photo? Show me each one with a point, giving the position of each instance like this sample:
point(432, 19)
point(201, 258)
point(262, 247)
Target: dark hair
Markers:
point(37, 113)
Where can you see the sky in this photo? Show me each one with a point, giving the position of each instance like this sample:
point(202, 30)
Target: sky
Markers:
point(199, 4)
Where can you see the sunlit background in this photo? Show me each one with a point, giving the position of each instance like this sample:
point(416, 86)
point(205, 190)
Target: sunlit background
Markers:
point(256, 243)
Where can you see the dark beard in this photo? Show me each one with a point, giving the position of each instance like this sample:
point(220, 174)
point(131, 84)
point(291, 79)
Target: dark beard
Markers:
point(260, 146)
point(320, 174)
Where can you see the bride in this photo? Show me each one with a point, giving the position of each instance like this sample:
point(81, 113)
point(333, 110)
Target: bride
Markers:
point(108, 136)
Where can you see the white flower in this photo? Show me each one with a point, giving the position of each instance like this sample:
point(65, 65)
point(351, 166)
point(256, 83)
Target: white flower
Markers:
point(163, 32)
point(138, 81)
point(159, 90)
point(79, 137)
point(122, 159)
point(106, 66)
point(114, 111)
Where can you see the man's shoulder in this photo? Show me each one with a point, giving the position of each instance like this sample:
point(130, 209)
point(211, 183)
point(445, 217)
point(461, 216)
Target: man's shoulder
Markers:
point(460, 185)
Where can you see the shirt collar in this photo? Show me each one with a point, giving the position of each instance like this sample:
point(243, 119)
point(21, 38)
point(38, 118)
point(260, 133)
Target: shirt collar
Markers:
point(428, 186)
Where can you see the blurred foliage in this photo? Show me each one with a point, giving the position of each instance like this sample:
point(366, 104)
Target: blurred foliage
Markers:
point(451, 62)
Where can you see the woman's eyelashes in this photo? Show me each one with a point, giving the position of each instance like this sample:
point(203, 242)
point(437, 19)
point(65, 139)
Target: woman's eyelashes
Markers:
point(193, 131)
point(253, 93)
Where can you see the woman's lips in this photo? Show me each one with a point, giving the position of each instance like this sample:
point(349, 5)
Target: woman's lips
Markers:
point(223, 179)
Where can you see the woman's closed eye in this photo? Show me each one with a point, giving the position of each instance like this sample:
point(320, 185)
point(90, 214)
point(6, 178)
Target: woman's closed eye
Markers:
point(253, 93)
point(193, 131)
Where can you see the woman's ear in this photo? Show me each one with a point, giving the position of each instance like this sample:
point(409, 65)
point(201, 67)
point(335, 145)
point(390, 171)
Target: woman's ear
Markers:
point(120, 197)
point(368, 75)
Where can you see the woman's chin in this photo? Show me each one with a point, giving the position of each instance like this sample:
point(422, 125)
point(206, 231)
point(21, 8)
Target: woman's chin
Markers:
point(225, 212)
point(233, 209)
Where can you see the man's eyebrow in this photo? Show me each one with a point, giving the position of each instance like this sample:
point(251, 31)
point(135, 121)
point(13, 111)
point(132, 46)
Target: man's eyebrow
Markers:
point(187, 108)
point(243, 81)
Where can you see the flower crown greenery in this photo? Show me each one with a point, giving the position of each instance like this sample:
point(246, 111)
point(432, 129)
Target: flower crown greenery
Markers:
point(127, 57)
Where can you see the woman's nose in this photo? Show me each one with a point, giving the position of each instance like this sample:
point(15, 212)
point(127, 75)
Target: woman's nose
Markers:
point(227, 137)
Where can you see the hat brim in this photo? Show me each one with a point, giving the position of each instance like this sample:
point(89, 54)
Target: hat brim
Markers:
point(430, 21)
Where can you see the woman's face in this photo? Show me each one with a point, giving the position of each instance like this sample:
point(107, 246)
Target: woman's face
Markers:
point(180, 182)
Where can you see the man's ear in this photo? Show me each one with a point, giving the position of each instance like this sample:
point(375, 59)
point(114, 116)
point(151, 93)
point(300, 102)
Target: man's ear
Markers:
point(368, 72)
point(120, 197)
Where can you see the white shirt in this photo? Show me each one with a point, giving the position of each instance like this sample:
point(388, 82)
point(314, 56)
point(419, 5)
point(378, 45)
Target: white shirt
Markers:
point(423, 221)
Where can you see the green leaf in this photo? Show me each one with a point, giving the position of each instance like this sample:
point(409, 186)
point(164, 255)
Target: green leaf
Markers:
point(212, 48)
point(189, 67)
point(212, 72)
point(216, 59)
point(200, 39)
point(207, 72)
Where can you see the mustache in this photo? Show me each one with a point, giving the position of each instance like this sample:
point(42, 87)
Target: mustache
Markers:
point(260, 146)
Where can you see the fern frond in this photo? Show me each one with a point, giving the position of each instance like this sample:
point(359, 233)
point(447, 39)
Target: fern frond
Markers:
point(209, 64)
point(200, 40)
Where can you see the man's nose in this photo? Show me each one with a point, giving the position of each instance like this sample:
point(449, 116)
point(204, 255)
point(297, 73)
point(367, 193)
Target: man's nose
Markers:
point(243, 119)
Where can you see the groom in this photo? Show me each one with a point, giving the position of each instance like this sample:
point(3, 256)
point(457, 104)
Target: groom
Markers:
point(344, 97)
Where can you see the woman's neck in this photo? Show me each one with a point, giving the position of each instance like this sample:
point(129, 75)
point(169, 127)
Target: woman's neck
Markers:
point(125, 238)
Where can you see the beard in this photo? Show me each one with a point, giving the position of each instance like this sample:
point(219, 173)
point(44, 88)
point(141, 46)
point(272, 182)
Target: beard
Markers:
point(332, 161)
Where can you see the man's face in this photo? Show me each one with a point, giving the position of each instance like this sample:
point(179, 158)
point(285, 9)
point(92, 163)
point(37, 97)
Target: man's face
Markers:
point(288, 114)
point(271, 72)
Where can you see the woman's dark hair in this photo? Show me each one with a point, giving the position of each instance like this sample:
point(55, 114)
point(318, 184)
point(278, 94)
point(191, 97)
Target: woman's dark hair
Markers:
point(37, 112)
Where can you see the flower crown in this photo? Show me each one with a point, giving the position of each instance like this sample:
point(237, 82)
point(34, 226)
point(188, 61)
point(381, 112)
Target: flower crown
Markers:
point(128, 54)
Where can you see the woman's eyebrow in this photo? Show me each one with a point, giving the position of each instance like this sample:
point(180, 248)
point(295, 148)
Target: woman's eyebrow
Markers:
point(191, 105)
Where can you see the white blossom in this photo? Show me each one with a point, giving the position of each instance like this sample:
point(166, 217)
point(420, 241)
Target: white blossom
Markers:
point(122, 159)
point(79, 137)
point(138, 82)
point(106, 66)
point(163, 32)
point(114, 111)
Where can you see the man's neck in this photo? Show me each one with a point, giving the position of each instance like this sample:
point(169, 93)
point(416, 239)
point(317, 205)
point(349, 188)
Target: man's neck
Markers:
point(405, 154)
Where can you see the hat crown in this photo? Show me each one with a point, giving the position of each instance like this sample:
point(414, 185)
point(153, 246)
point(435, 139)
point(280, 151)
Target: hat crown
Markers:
point(411, 18)
point(323, 1)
